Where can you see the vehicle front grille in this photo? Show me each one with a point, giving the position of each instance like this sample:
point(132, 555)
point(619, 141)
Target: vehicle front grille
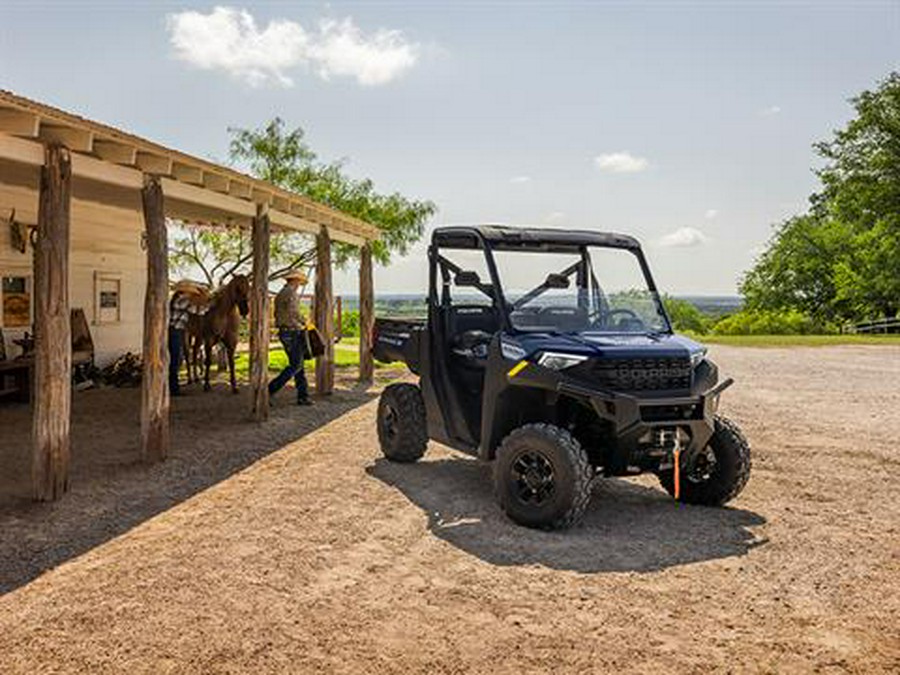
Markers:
point(642, 374)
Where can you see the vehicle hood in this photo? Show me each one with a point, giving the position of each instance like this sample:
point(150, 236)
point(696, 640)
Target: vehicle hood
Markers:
point(604, 345)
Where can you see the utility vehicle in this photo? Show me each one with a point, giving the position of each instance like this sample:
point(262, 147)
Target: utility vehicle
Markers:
point(549, 353)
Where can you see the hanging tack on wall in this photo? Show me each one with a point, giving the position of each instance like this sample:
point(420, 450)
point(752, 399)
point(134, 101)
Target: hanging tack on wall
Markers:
point(18, 233)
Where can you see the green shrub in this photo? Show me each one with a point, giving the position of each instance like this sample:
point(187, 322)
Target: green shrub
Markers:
point(350, 323)
point(770, 322)
point(685, 316)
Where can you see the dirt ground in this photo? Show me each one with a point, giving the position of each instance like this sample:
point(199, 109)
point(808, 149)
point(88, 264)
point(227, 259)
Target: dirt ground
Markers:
point(291, 547)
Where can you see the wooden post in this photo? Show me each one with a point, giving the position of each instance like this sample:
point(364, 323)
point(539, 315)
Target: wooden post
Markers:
point(324, 312)
point(53, 340)
point(366, 314)
point(154, 384)
point(259, 316)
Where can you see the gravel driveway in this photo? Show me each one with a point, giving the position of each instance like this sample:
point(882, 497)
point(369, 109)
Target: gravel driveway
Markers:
point(321, 557)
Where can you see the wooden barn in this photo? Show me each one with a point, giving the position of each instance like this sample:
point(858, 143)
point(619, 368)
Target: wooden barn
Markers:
point(84, 210)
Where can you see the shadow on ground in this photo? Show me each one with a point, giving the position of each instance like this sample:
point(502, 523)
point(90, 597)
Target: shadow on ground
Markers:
point(628, 527)
point(111, 490)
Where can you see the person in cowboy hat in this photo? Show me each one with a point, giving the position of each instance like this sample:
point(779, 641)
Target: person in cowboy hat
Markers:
point(188, 297)
point(292, 333)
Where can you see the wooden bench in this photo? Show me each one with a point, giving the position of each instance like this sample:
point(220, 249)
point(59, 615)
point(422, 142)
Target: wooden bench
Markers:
point(17, 375)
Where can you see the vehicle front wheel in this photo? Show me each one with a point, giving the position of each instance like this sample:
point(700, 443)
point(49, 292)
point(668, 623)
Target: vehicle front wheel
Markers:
point(542, 477)
point(721, 472)
point(402, 427)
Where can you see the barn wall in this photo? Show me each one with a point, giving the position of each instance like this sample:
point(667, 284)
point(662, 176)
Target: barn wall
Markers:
point(105, 241)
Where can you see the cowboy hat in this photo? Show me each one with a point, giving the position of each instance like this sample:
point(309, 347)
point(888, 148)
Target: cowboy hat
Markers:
point(187, 286)
point(298, 275)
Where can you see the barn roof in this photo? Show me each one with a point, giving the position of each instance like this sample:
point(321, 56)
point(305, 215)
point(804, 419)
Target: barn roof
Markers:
point(197, 190)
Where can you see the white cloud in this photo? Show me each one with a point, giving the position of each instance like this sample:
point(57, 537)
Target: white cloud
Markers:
point(518, 180)
point(342, 49)
point(229, 39)
point(710, 214)
point(620, 162)
point(684, 236)
point(771, 110)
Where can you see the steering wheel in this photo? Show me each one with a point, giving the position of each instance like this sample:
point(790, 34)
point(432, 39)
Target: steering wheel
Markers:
point(630, 313)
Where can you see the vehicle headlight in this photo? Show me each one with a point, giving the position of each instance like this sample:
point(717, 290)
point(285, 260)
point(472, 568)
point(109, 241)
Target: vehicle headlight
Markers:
point(557, 361)
point(698, 356)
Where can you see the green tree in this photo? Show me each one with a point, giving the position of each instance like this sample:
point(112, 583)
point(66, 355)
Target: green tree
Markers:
point(282, 157)
point(685, 315)
point(217, 253)
point(861, 188)
point(796, 271)
point(841, 260)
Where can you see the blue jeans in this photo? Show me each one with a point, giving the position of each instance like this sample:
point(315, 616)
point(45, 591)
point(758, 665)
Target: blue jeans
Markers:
point(294, 343)
point(176, 344)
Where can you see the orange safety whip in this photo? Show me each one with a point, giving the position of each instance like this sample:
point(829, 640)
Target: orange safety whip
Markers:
point(676, 453)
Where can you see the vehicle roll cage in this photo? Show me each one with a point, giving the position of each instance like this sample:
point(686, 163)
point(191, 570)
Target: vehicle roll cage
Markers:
point(491, 238)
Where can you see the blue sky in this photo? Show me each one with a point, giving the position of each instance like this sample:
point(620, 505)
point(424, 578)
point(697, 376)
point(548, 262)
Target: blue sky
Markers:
point(689, 125)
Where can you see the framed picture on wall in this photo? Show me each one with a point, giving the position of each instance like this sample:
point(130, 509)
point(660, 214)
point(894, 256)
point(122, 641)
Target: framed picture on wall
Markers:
point(16, 292)
point(107, 297)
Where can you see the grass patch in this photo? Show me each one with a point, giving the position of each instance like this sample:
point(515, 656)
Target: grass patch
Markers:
point(345, 356)
point(797, 340)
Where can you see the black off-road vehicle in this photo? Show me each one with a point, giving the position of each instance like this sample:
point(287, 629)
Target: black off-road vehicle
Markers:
point(549, 353)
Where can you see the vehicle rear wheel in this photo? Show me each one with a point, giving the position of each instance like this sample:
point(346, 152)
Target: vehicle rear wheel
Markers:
point(721, 472)
point(402, 427)
point(542, 477)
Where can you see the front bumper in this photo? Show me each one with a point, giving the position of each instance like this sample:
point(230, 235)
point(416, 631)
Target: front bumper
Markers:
point(632, 417)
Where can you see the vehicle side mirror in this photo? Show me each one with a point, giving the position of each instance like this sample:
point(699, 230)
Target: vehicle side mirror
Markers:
point(555, 280)
point(467, 278)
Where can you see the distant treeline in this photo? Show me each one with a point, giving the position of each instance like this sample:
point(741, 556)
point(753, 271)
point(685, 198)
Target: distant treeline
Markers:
point(688, 317)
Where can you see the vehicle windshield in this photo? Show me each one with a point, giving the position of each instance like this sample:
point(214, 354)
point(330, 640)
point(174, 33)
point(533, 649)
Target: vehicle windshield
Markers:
point(595, 289)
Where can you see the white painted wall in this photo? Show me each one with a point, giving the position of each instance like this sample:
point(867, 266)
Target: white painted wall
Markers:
point(103, 239)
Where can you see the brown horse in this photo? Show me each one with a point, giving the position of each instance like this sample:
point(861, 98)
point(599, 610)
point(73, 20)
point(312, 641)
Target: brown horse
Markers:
point(221, 322)
point(193, 337)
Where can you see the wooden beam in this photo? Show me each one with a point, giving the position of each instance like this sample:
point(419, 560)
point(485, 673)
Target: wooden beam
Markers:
point(366, 315)
point(285, 220)
point(259, 316)
point(261, 196)
point(154, 387)
point(53, 340)
point(239, 189)
point(149, 162)
point(76, 140)
point(310, 213)
point(282, 204)
point(106, 172)
point(324, 306)
point(22, 151)
point(187, 174)
point(217, 183)
point(32, 153)
point(174, 189)
point(113, 151)
point(346, 237)
point(19, 123)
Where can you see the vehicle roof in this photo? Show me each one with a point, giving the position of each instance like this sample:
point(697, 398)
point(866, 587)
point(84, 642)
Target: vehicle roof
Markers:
point(502, 237)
